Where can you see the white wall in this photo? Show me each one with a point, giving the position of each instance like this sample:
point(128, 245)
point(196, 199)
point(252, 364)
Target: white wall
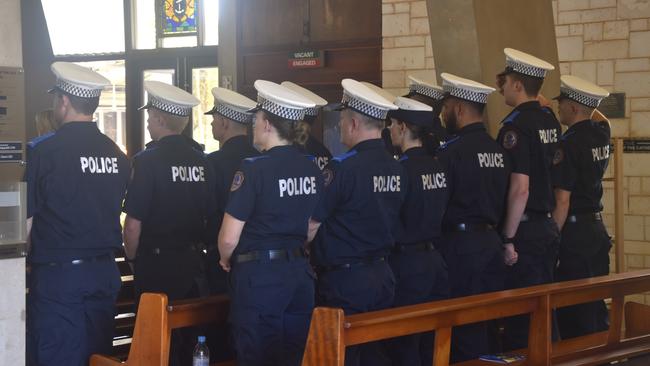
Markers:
point(12, 284)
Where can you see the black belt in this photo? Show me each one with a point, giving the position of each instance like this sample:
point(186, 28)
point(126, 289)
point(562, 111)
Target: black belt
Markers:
point(467, 227)
point(425, 246)
point(361, 263)
point(171, 250)
point(535, 216)
point(269, 255)
point(586, 217)
point(97, 258)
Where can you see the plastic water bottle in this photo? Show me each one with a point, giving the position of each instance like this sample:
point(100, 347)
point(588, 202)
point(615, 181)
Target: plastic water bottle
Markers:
point(201, 355)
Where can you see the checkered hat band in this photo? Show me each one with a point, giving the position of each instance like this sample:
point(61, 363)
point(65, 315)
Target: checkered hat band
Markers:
point(232, 114)
point(526, 69)
point(465, 94)
point(580, 98)
point(364, 107)
point(427, 92)
point(280, 110)
point(165, 106)
point(311, 112)
point(76, 90)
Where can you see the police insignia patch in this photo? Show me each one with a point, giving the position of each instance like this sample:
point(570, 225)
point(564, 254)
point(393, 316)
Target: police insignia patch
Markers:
point(328, 176)
point(510, 139)
point(237, 181)
point(558, 157)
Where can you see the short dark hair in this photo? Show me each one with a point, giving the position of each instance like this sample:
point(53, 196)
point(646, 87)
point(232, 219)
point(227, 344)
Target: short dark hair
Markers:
point(532, 85)
point(86, 106)
point(478, 107)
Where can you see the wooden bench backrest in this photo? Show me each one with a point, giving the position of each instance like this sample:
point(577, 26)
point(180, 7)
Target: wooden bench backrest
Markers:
point(156, 319)
point(331, 331)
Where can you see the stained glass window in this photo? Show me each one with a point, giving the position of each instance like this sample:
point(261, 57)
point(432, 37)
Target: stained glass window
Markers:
point(180, 17)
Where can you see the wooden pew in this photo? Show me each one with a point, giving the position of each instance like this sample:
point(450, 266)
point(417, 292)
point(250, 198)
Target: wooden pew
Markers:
point(154, 323)
point(331, 331)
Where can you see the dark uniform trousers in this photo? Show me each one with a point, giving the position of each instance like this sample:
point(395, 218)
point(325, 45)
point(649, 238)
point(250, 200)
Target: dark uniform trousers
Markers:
point(584, 253)
point(475, 263)
point(271, 306)
point(179, 274)
point(72, 311)
point(537, 244)
point(359, 289)
point(421, 276)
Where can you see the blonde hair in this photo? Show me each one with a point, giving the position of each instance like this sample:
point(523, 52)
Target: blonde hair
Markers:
point(45, 122)
point(172, 122)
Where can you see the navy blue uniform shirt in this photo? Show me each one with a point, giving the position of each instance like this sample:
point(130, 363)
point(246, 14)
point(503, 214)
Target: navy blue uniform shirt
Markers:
point(225, 162)
point(172, 193)
point(427, 194)
point(76, 178)
point(359, 210)
point(580, 163)
point(315, 148)
point(530, 134)
point(478, 172)
point(275, 194)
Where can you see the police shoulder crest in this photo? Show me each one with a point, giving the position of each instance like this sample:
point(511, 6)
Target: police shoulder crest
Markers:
point(510, 139)
point(328, 176)
point(237, 181)
point(559, 156)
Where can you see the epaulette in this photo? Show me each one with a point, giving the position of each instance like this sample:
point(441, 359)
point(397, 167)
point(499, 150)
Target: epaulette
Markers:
point(255, 158)
point(39, 139)
point(403, 158)
point(347, 155)
point(511, 117)
point(444, 146)
point(311, 157)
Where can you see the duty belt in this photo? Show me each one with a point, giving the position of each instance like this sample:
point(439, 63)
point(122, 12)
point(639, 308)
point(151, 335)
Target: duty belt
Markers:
point(361, 263)
point(425, 246)
point(586, 217)
point(467, 227)
point(269, 255)
point(534, 216)
point(170, 250)
point(97, 258)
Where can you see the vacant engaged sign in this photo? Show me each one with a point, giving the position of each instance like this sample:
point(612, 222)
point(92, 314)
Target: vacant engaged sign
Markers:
point(306, 60)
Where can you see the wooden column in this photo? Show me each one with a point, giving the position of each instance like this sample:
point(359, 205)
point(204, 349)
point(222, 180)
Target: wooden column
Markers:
point(468, 38)
point(619, 207)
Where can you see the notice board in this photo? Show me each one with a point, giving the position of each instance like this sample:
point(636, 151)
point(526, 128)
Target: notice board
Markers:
point(12, 123)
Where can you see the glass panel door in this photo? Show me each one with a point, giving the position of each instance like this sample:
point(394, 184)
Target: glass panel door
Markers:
point(166, 76)
point(203, 80)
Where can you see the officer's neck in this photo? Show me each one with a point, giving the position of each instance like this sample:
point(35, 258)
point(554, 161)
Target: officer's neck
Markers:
point(227, 135)
point(576, 118)
point(362, 135)
point(407, 145)
point(72, 116)
point(166, 133)
point(522, 98)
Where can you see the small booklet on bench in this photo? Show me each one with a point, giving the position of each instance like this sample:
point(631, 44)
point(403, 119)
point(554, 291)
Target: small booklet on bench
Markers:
point(503, 358)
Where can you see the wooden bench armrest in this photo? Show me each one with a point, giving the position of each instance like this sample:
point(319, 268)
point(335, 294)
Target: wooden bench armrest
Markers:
point(101, 360)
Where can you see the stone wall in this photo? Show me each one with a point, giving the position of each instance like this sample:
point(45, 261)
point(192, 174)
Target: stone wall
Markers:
point(605, 41)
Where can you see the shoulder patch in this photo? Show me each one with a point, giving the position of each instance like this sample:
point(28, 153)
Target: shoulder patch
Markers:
point(347, 155)
point(510, 139)
point(328, 176)
point(255, 158)
point(511, 117)
point(449, 142)
point(559, 156)
point(237, 181)
point(37, 140)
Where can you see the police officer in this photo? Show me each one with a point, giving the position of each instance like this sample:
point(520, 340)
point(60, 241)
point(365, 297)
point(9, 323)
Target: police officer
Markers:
point(529, 134)
point(419, 269)
point(313, 146)
point(385, 133)
point(477, 174)
point(231, 119)
point(431, 95)
point(358, 215)
point(579, 165)
point(263, 233)
point(76, 179)
point(170, 198)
